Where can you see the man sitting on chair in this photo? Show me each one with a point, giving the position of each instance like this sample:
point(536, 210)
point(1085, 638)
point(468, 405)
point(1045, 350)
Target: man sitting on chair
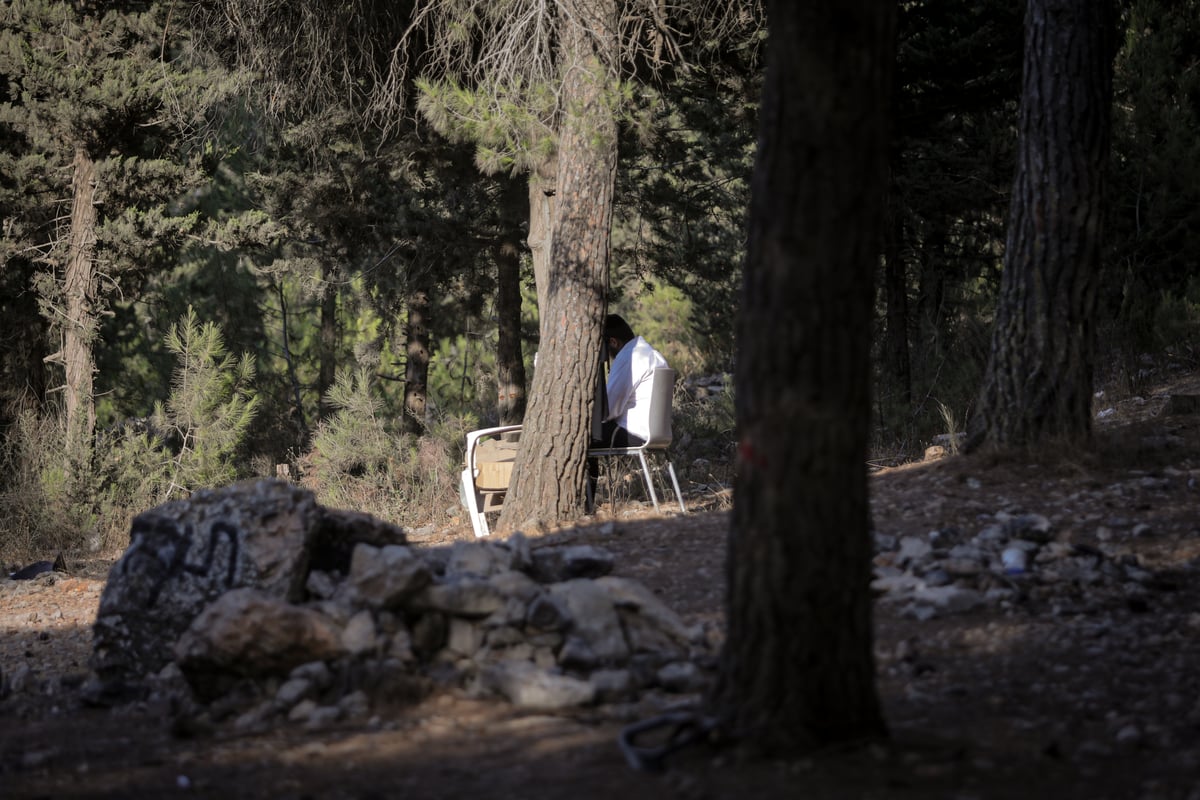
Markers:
point(627, 423)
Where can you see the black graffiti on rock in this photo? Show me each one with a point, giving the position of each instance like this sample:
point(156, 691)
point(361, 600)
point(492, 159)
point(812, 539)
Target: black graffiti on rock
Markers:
point(174, 558)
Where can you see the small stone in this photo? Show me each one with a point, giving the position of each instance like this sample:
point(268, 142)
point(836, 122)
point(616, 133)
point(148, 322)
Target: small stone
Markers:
point(21, 680)
point(527, 686)
point(613, 684)
point(315, 672)
point(322, 716)
point(992, 533)
point(547, 613)
point(400, 647)
point(384, 577)
point(682, 677)
point(253, 719)
point(358, 637)
point(937, 577)
point(321, 584)
point(477, 558)
point(464, 637)
point(913, 549)
point(354, 705)
point(961, 567)
point(461, 595)
point(293, 691)
point(576, 653)
point(302, 710)
point(558, 564)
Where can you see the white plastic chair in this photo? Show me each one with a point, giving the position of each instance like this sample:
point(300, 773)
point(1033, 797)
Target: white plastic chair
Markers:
point(484, 484)
point(662, 390)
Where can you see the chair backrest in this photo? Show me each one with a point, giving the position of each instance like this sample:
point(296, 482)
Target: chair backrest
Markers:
point(662, 392)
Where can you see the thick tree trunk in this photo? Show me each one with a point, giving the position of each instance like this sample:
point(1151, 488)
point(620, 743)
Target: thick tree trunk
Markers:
point(510, 362)
point(542, 186)
point(416, 363)
point(79, 291)
point(797, 670)
point(551, 461)
point(1038, 383)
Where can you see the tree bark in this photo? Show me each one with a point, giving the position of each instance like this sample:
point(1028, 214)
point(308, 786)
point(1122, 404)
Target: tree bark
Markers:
point(550, 468)
point(541, 232)
point(1038, 382)
point(79, 290)
point(797, 669)
point(510, 362)
point(416, 362)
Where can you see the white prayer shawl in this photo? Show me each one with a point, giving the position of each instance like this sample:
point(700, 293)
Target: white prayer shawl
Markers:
point(629, 386)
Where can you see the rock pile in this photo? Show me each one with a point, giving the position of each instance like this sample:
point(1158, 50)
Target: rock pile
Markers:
point(268, 605)
point(1010, 560)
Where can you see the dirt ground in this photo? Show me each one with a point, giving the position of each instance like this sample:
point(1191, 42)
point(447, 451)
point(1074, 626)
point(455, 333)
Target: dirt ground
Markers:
point(1079, 691)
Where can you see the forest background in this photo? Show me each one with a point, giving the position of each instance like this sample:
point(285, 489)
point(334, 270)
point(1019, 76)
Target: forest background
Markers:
point(318, 288)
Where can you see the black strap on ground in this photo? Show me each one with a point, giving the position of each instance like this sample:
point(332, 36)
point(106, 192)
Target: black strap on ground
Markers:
point(646, 744)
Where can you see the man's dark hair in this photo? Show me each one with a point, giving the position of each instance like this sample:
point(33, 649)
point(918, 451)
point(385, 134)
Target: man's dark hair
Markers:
point(616, 327)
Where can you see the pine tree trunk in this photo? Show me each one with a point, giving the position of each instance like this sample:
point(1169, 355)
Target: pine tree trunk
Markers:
point(1038, 383)
point(551, 461)
point(79, 290)
point(797, 669)
point(510, 362)
point(541, 232)
point(416, 363)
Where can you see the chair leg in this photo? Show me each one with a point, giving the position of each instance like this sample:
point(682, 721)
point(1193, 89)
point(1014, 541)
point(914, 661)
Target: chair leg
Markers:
point(675, 484)
point(471, 501)
point(648, 478)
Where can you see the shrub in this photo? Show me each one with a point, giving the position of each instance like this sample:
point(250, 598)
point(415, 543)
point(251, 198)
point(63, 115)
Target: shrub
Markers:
point(192, 440)
point(704, 429)
point(40, 514)
point(360, 461)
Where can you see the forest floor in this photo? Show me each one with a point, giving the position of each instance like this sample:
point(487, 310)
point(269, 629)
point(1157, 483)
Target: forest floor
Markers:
point(1081, 691)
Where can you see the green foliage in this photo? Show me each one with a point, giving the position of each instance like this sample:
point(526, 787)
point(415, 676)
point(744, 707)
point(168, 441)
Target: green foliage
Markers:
point(664, 315)
point(132, 99)
point(1154, 226)
point(704, 428)
point(356, 439)
point(683, 191)
point(360, 460)
point(210, 408)
point(952, 162)
point(40, 511)
point(509, 125)
point(192, 440)
point(1177, 321)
